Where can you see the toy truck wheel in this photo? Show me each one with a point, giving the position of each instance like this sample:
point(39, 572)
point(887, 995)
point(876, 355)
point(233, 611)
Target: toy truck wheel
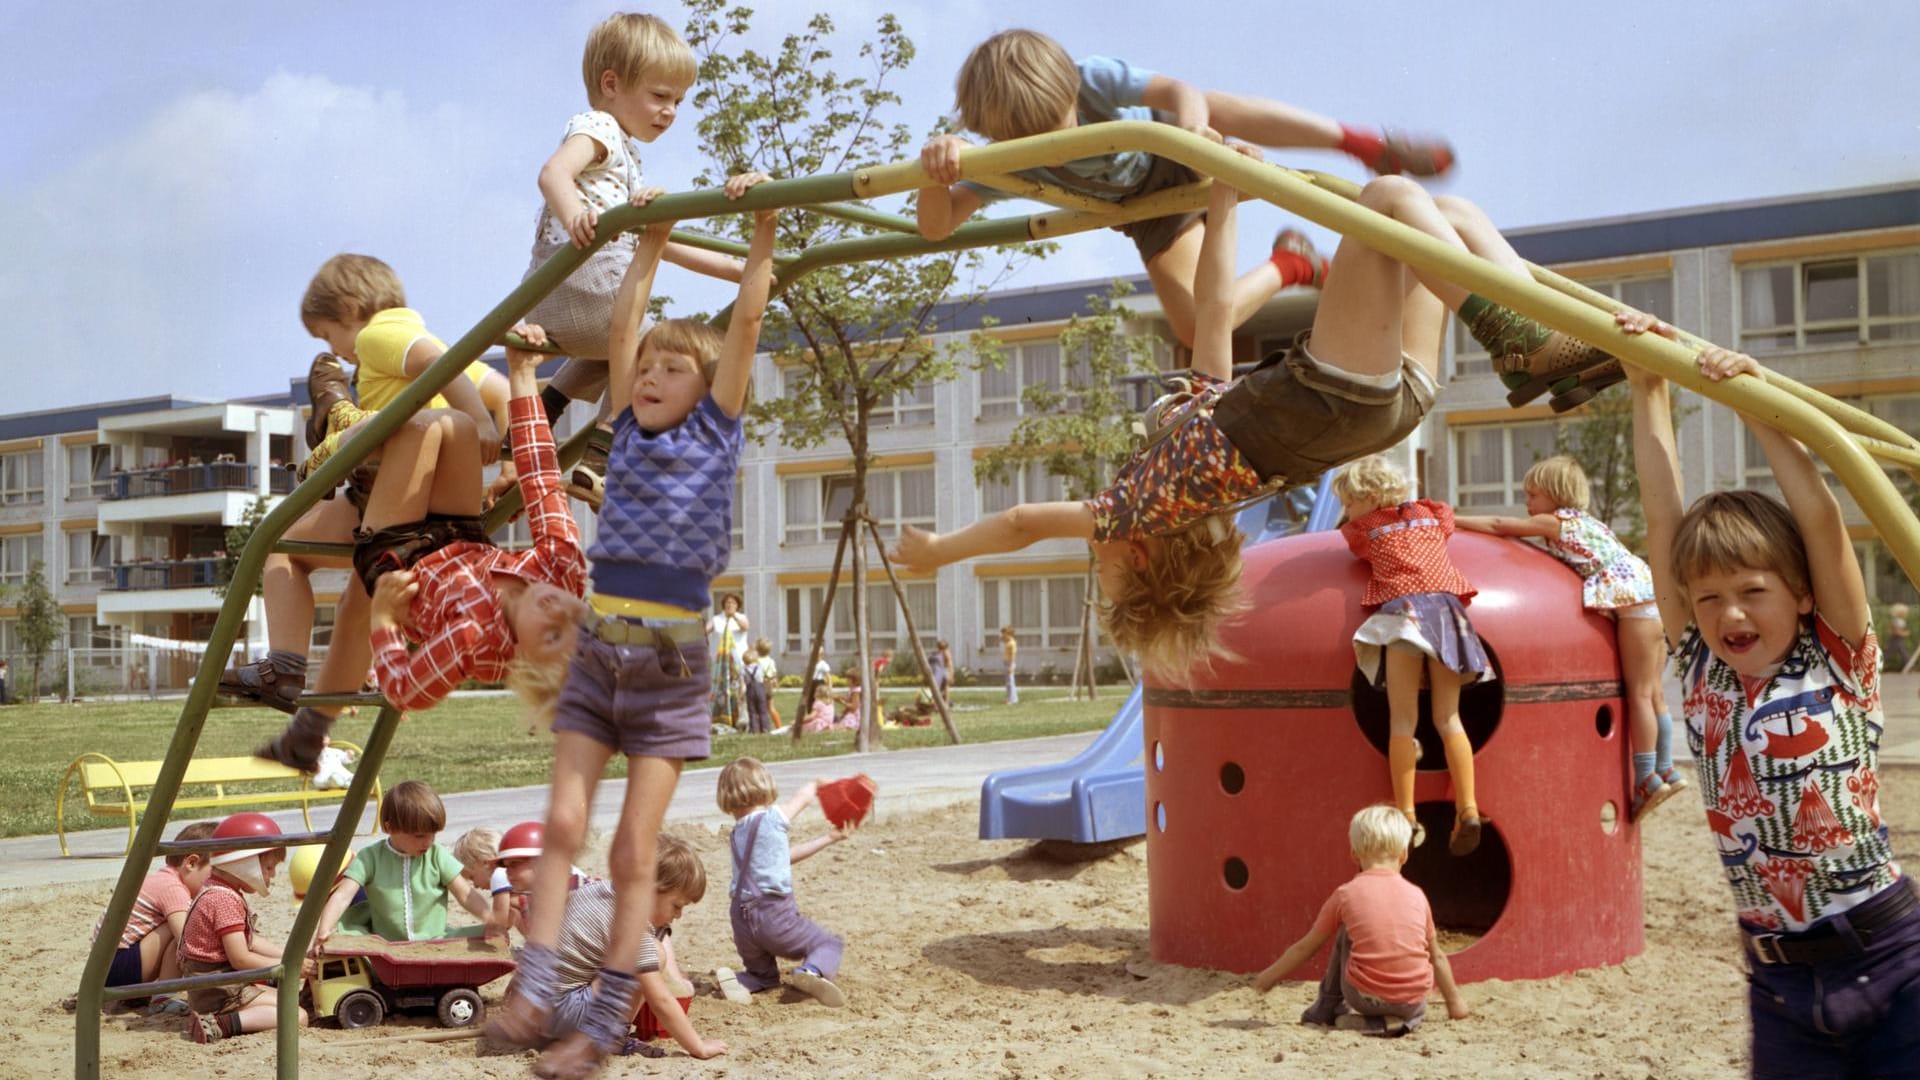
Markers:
point(360, 1009)
point(461, 1007)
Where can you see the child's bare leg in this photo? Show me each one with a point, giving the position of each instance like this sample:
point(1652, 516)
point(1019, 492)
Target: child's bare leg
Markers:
point(1358, 325)
point(1643, 646)
point(279, 678)
point(1265, 122)
point(1445, 696)
point(263, 1013)
point(1172, 274)
point(650, 784)
point(1404, 667)
point(158, 958)
point(403, 491)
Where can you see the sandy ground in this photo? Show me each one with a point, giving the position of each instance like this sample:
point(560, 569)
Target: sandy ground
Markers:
point(972, 959)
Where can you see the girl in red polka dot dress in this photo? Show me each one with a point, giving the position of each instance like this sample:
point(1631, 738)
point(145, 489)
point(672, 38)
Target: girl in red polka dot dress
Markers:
point(1417, 628)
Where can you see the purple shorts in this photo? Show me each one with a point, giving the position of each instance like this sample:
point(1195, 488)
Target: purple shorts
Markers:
point(637, 699)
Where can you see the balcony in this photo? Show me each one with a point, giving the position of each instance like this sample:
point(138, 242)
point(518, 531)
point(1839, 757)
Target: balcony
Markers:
point(166, 574)
point(191, 479)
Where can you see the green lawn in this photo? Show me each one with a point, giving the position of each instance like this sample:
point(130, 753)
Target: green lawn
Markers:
point(465, 744)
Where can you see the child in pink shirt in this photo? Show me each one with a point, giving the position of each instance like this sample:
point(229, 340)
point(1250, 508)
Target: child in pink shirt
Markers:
point(1385, 959)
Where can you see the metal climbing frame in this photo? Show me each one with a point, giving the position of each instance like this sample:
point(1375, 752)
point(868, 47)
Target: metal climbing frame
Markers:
point(1847, 438)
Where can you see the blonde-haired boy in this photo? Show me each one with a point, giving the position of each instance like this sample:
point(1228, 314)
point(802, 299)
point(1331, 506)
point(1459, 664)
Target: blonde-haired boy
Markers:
point(637, 70)
point(1019, 83)
point(1385, 956)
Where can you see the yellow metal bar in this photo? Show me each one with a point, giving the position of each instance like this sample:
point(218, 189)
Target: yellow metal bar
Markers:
point(1040, 190)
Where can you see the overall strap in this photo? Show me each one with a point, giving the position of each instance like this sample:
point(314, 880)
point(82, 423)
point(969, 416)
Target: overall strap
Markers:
point(745, 888)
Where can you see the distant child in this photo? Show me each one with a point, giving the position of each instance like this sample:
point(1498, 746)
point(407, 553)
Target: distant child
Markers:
point(1779, 671)
point(407, 877)
point(150, 945)
point(357, 305)
point(1417, 627)
point(661, 1008)
point(637, 70)
point(639, 682)
point(478, 853)
point(1616, 584)
point(1385, 958)
point(1360, 381)
point(1897, 638)
point(511, 882)
point(1020, 83)
point(762, 677)
point(219, 935)
point(767, 924)
point(1009, 653)
point(941, 661)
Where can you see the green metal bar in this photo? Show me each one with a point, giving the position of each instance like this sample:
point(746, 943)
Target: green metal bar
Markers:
point(866, 215)
point(345, 824)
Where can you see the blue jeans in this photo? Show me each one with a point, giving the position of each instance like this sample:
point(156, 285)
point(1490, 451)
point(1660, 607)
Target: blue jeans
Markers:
point(1854, 1017)
point(1013, 690)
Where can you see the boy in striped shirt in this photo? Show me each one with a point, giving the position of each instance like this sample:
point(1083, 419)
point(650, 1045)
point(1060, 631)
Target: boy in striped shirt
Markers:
point(147, 950)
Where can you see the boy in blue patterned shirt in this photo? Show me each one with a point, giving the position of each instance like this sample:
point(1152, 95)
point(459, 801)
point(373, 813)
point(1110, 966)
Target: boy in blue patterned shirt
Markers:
point(639, 681)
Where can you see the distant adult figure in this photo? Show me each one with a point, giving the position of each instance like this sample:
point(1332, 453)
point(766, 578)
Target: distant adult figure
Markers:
point(729, 653)
point(1009, 652)
point(941, 661)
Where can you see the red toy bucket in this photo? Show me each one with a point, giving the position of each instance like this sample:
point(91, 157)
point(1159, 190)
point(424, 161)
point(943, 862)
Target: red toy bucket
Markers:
point(846, 802)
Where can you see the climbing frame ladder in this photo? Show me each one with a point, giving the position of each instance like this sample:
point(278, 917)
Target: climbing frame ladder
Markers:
point(1848, 439)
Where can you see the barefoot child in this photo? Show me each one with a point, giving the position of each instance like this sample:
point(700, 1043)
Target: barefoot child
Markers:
point(150, 945)
point(1358, 382)
point(1385, 956)
point(1616, 583)
point(219, 935)
point(639, 682)
point(1779, 671)
point(1020, 83)
point(407, 878)
point(767, 924)
point(1416, 629)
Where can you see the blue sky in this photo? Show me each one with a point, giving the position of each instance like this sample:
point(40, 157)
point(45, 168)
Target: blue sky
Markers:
point(170, 175)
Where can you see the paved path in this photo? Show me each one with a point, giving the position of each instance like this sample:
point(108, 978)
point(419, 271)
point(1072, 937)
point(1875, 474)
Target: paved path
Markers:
point(911, 781)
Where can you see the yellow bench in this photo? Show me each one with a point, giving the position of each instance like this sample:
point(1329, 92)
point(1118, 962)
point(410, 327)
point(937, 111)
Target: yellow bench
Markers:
point(108, 787)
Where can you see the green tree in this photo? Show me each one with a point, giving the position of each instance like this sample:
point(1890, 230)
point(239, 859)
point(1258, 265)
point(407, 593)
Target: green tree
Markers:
point(1600, 438)
point(237, 537)
point(1082, 430)
point(40, 622)
point(851, 338)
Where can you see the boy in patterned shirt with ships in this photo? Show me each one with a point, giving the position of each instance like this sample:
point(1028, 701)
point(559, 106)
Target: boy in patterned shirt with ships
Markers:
point(639, 682)
point(1778, 665)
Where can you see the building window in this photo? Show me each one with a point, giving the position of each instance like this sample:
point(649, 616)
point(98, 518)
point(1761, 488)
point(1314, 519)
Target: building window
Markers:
point(813, 506)
point(1027, 484)
point(22, 478)
point(17, 556)
point(89, 557)
point(89, 471)
point(1003, 389)
point(1045, 612)
point(738, 538)
point(800, 607)
point(1809, 303)
point(1653, 295)
point(1489, 461)
point(907, 408)
point(84, 633)
point(323, 617)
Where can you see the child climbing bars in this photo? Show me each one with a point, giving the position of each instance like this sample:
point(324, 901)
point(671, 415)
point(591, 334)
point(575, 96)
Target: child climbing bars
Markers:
point(1417, 627)
point(1779, 669)
point(1358, 382)
point(1616, 583)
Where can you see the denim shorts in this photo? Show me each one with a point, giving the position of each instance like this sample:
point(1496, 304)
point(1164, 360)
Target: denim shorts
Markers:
point(640, 700)
point(1293, 417)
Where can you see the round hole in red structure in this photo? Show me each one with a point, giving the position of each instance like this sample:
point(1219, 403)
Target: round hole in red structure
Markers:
point(1603, 721)
point(1233, 778)
point(1480, 707)
point(1159, 757)
point(1467, 892)
point(1160, 816)
point(1235, 873)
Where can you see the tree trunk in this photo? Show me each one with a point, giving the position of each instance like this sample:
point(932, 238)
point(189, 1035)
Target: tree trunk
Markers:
point(812, 686)
point(869, 685)
point(913, 636)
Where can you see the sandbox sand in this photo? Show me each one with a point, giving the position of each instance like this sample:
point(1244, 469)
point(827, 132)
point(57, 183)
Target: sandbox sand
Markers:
point(972, 959)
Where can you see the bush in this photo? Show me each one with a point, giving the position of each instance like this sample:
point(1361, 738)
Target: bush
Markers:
point(1049, 674)
point(904, 666)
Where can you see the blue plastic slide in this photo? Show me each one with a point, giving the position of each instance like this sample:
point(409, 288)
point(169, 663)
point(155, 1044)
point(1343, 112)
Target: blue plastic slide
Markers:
point(1101, 794)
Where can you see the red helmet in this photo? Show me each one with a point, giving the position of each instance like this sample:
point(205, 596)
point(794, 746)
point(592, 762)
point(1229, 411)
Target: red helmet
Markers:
point(243, 826)
point(523, 841)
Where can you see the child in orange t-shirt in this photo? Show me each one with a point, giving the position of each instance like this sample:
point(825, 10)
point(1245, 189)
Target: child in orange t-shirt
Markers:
point(1385, 958)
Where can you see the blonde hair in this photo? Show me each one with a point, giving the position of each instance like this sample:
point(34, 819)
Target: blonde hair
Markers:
point(1372, 479)
point(1561, 479)
point(691, 337)
point(537, 684)
point(350, 288)
point(411, 806)
point(678, 870)
point(633, 46)
point(477, 847)
point(744, 784)
point(1729, 530)
point(1380, 833)
point(1171, 613)
point(762, 647)
point(1016, 83)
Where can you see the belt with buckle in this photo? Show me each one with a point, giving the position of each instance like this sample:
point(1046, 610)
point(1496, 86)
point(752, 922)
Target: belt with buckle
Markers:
point(1828, 943)
point(620, 630)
